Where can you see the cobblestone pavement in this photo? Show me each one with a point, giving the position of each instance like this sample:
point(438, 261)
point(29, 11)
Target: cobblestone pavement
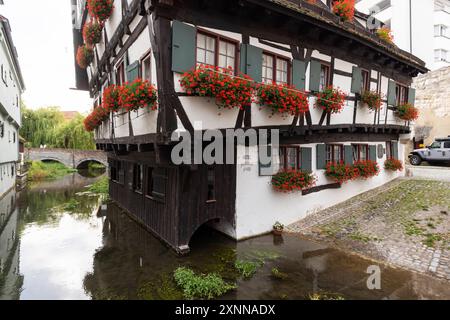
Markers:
point(405, 223)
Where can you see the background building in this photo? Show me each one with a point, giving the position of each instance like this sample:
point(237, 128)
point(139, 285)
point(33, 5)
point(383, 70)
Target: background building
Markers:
point(419, 27)
point(11, 88)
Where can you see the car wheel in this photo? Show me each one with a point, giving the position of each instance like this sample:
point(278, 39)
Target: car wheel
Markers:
point(415, 160)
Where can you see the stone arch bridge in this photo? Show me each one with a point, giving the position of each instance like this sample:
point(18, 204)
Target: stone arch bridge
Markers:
point(70, 158)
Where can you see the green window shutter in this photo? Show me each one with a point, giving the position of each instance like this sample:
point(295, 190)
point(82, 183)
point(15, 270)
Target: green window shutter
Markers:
point(412, 96)
point(356, 80)
point(306, 159)
point(373, 153)
point(299, 74)
point(314, 75)
point(392, 95)
point(264, 169)
point(252, 65)
point(348, 155)
point(183, 47)
point(243, 58)
point(133, 71)
point(395, 149)
point(321, 156)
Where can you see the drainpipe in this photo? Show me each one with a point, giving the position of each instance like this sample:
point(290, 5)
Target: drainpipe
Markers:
point(410, 28)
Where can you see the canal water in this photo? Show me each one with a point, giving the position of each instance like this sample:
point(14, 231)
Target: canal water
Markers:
point(58, 242)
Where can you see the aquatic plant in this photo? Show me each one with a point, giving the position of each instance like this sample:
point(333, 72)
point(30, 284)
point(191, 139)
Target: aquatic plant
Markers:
point(101, 186)
point(201, 286)
point(278, 274)
point(247, 268)
point(47, 170)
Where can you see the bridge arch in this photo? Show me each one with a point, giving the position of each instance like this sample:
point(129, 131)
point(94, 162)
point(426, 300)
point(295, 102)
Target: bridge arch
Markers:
point(58, 160)
point(68, 157)
point(83, 164)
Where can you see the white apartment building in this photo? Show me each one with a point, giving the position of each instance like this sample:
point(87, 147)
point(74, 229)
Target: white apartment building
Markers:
point(11, 88)
point(421, 27)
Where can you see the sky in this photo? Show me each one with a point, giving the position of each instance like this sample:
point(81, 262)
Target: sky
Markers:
point(42, 34)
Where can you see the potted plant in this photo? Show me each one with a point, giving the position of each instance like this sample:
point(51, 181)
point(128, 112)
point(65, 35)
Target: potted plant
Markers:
point(278, 229)
point(331, 100)
point(340, 172)
point(385, 34)
point(344, 9)
point(393, 165)
point(85, 55)
point(110, 98)
point(372, 99)
point(282, 99)
point(92, 33)
point(366, 168)
point(292, 180)
point(228, 91)
point(407, 112)
point(138, 94)
point(100, 9)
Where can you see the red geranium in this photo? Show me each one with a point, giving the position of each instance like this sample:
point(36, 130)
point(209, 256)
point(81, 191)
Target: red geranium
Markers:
point(92, 32)
point(372, 99)
point(138, 94)
point(367, 168)
point(345, 9)
point(282, 99)
point(100, 9)
point(407, 112)
point(93, 121)
point(293, 180)
point(385, 34)
point(110, 99)
point(85, 55)
point(340, 172)
point(229, 92)
point(331, 100)
point(393, 165)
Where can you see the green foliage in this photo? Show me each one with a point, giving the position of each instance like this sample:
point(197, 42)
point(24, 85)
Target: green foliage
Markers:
point(46, 126)
point(325, 296)
point(247, 268)
point(47, 170)
point(278, 274)
point(204, 287)
point(101, 186)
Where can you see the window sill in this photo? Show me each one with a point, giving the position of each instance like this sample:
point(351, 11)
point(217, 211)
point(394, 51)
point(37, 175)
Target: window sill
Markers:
point(211, 201)
point(154, 199)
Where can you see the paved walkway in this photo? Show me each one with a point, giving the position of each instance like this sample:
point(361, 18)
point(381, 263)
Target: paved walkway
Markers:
point(428, 172)
point(405, 223)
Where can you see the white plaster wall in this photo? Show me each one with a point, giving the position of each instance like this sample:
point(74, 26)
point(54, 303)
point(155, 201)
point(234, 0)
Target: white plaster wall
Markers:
point(258, 210)
point(7, 180)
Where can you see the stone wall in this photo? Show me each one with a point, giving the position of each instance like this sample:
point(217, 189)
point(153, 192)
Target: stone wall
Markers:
point(433, 100)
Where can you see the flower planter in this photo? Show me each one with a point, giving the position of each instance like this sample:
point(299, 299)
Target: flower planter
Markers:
point(282, 100)
point(100, 9)
point(92, 33)
point(85, 55)
point(330, 100)
point(407, 112)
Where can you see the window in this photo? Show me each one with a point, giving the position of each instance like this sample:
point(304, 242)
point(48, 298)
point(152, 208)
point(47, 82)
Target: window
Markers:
point(159, 179)
point(441, 31)
point(447, 145)
point(390, 149)
point(214, 50)
point(365, 80)
point(12, 171)
point(402, 94)
point(138, 177)
point(441, 55)
point(120, 73)
point(289, 158)
point(2, 129)
point(146, 67)
point(275, 69)
point(211, 176)
point(435, 145)
point(121, 172)
point(324, 77)
point(360, 152)
point(335, 153)
point(149, 189)
point(14, 137)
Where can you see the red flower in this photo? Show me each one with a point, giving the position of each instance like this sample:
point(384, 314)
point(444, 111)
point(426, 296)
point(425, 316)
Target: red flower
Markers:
point(92, 32)
point(393, 165)
point(345, 9)
point(331, 100)
point(85, 55)
point(292, 180)
point(407, 112)
point(100, 9)
point(282, 99)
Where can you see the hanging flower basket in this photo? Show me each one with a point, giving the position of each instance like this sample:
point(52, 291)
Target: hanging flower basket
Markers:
point(331, 100)
point(85, 55)
point(407, 112)
point(292, 180)
point(372, 99)
point(229, 92)
point(385, 34)
point(282, 99)
point(94, 120)
point(393, 165)
point(367, 168)
point(110, 98)
point(344, 9)
point(100, 9)
point(138, 94)
point(341, 173)
point(92, 33)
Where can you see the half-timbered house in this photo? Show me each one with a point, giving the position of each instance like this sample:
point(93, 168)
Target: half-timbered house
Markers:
point(291, 42)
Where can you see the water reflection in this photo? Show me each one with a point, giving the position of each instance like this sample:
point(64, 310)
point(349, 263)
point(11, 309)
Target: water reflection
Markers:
point(57, 242)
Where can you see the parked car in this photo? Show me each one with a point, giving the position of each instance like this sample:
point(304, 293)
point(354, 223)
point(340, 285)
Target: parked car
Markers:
point(438, 152)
